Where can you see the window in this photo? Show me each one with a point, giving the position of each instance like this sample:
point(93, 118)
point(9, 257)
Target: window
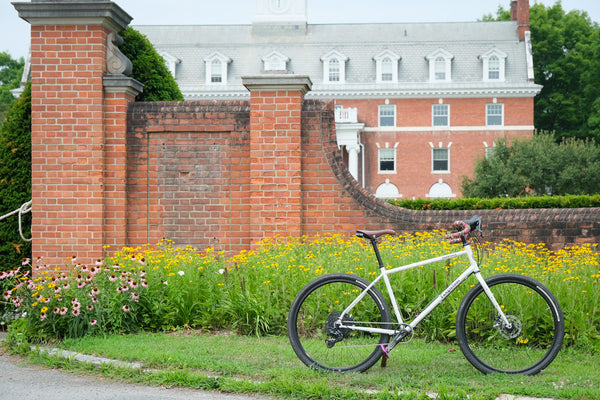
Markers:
point(494, 65)
point(387, 115)
point(441, 115)
point(494, 68)
point(216, 72)
point(441, 160)
point(334, 70)
point(216, 68)
point(334, 67)
point(440, 66)
point(494, 114)
point(440, 69)
point(386, 67)
point(489, 152)
point(387, 160)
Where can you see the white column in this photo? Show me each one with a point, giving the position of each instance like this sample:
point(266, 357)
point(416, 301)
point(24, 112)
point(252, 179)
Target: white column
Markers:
point(353, 151)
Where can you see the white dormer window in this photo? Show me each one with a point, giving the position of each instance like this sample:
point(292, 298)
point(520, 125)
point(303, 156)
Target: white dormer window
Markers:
point(386, 65)
point(494, 65)
point(275, 61)
point(334, 67)
point(216, 68)
point(171, 62)
point(440, 66)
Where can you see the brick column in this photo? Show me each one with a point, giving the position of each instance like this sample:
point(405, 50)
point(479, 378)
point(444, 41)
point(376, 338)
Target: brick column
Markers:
point(276, 154)
point(73, 126)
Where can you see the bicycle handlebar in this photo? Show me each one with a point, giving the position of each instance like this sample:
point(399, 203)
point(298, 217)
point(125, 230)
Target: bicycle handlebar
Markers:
point(464, 229)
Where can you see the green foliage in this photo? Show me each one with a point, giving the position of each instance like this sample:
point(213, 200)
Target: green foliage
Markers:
point(250, 292)
point(149, 68)
point(538, 167)
point(10, 78)
point(15, 180)
point(566, 56)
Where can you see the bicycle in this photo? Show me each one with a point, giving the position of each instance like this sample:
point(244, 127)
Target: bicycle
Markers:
point(507, 323)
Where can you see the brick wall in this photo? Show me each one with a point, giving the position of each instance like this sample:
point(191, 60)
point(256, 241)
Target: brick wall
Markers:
point(190, 180)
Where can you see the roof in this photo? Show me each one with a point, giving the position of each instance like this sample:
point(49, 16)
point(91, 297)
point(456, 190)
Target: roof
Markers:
point(246, 45)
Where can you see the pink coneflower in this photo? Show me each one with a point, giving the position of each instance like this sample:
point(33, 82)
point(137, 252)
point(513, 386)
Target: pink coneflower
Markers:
point(116, 266)
point(98, 262)
point(112, 278)
point(76, 312)
point(7, 295)
point(135, 297)
point(142, 261)
point(143, 272)
point(25, 261)
point(119, 289)
point(56, 310)
point(124, 288)
point(42, 316)
point(144, 283)
point(132, 258)
point(126, 308)
point(93, 322)
point(90, 307)
point(63, 310)
point(94, 300)
point(133, 284)
point(73, 259)
point(17, 301)
point(95, 291)
point(66, 285)
point(80, 285)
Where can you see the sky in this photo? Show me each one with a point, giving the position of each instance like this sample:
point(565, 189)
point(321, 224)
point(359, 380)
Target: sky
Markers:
point(14, 32)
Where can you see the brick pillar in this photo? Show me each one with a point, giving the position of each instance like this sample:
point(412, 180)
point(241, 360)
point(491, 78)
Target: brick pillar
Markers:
point(76, 125)
point(276, 154)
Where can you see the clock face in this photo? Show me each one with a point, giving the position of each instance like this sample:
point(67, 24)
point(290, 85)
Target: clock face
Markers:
point(279, 6)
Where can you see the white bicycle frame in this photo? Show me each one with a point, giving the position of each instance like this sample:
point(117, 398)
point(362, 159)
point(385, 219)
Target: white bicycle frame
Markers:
point(472, 270)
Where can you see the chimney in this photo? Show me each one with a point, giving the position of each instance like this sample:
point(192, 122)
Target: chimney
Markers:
point(519, 11)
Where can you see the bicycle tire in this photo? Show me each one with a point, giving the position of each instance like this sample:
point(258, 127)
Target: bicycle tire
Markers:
point(308, 324)
point(526, 347)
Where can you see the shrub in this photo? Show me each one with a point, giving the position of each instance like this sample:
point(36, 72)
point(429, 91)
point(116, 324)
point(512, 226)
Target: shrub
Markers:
point(149, 68)
point(15, 180)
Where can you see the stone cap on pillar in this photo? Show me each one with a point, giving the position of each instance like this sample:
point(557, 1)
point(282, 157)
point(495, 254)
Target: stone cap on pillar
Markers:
point(74, 12)
point(278, 82)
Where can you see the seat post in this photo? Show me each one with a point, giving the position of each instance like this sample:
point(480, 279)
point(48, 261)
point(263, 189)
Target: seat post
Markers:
point(377, 254)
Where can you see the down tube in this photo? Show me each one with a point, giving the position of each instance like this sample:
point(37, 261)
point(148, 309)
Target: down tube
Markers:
point(442, 296)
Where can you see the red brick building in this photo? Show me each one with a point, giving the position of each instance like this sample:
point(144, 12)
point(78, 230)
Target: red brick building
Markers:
point(417, 103)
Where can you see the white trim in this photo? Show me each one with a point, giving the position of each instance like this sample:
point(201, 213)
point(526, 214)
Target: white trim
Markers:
point(450, 128)
point(501, 56)
point(394, 58)
point(447, 59)
point(208, 61)
point(326, 59)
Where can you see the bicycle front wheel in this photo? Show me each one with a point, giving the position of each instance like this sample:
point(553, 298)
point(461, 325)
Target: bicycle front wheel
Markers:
point(530, 340)
point(313, 324)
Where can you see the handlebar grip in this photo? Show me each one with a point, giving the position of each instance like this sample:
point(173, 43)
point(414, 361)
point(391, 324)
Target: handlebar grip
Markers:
point(464, 229)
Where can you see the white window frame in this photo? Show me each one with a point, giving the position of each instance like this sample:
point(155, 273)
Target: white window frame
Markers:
point(390, 156)
point(171, 62)
point(488, 114)
point(440, 66)
point(330, 61)
point(494, 66)
point(216, 65)
point(386, 111)
point(386, 66)
point(435, 116)
point(439, 150)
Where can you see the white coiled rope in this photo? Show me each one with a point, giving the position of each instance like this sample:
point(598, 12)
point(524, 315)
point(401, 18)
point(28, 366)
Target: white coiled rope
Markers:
point(24, 209)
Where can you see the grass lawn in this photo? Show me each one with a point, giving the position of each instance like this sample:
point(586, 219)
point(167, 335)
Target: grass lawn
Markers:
point(268, 365)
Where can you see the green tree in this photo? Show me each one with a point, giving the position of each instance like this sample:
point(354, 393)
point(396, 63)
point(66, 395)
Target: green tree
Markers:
point(539, 166)
point(566, 57)
point(15, 180)
point(10, 77)
point(567, 63)
point(149, 68)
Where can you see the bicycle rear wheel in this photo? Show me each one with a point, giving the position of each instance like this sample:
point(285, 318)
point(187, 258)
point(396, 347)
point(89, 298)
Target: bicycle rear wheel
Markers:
point(525, 346)
point(312, 329)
